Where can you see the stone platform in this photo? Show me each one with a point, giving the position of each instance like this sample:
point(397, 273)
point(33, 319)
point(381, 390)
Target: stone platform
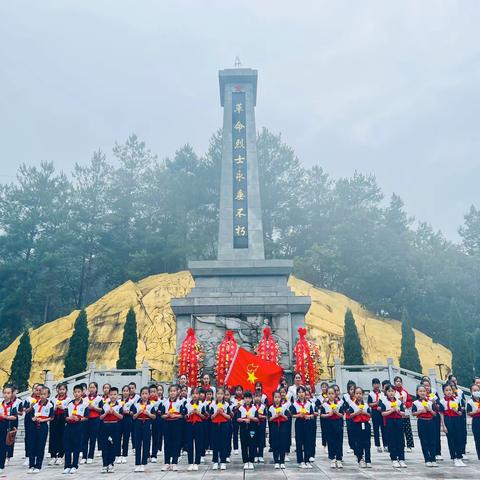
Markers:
point(381, 470)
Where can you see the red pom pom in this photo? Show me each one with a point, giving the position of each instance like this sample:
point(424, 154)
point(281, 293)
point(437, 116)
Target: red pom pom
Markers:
point(302, 331)
point(190, 332)
point(267, 332)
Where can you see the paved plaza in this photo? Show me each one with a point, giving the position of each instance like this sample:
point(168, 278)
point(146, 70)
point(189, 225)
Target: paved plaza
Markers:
point(382, 469)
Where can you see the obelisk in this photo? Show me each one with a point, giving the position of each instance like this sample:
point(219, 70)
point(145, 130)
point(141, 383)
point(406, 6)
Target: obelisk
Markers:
point(241, 290)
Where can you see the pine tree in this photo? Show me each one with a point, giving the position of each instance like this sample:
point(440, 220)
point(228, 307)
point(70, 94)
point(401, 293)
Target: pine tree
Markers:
point(459, 345)
point(22, 363)
point(409, 358)
point(352, 348)
point(76, 358)
point(128, 348)
point(476, 354)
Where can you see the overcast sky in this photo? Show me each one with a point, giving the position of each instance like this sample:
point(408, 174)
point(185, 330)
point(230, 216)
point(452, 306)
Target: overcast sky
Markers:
point(390, 88)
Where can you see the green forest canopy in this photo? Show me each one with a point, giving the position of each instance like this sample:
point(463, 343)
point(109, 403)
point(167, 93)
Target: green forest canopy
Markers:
point(67, 239)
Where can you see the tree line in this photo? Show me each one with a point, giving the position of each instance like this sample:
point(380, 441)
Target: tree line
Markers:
point(65, 240)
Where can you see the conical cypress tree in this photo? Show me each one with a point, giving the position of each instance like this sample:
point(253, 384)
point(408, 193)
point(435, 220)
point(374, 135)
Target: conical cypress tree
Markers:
point(409, 358)
point(352, 348)
point(128, 348)
point(459, 344)
point(22, 363)
point(76, 358)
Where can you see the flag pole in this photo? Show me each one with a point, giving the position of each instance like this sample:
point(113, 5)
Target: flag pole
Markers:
point(231, 365)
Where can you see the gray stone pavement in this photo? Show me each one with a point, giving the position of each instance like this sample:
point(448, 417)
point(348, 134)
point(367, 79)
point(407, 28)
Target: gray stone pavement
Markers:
point(382, 469)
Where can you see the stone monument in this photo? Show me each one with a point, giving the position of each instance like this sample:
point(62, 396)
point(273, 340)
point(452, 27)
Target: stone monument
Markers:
point(241, 290)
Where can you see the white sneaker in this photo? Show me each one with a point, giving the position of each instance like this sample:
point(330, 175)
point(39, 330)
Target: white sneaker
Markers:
point(349, 450)
point(111, 469)
point(30, 470)
point(83, 461)
point(154, 460)
point(228, 459)
point(276, 466)
point(333, 464)
point(438, 458)
point(166, 467)
point(261, 460)
point(223, 466)
point(458, 462)
point(195, 468)
point(282, 466)
point(142, 468)
point(104, 470)
point(174, 467)
point(190, 468)
point(464, 457)
point(26, 463)
point(36, 470)
point(235, 452)
point(66, 471)
point(202, 459)
point(99, 454)
point(368, 465)
point(402, 464)
point(302, 465)
point(339, 464)
point(58, 461)
point(379, 449)
point(428, 464)
point(250, 466)
point(89, 461)
point(124, 459)
point(362, 463)
point(434, 464)
point(118, 460)
point(215, 466)
point(136, 469)
point(246, 466)
point(308, 465)
point(73, 470)
point(287, 458)
point(395, 464)
point(52, 462)
point(408, 450)
point(311, 460)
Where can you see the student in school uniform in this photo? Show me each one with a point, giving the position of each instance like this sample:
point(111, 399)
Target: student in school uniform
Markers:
point(8, 414)
point(237, 402)
point(406, 399)
point(424, 410)
point(183, 397)
point(320, 399)
point(42, 416)
point(360, 415)
point(331, 411)
point(220, 418)
point(228, 400)
point(286, 402)
point(348, 399)
point(259, 400)
point(91, 428)
point(458, 392)
point(57, 425)
point(302, 412)
point(125, 426)
point(473, 411)
point(194, 417)
point(377, 419)
point(143, 414)
point(278, 415)
point(452, 424)
point(393, 411)
point(29, 425)
point(207, 424)
point(247, 417)
point(154, 400)
point(434, 398)
point(171, 410)
point(312, 426)
point(76, 415)
point(110, 417)
point(18, 404)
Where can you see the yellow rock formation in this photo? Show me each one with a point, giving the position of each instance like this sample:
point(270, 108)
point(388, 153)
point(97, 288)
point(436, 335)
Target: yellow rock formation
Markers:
point(151, 297)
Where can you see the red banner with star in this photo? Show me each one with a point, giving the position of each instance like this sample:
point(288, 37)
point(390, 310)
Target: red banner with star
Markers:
point(247, 369)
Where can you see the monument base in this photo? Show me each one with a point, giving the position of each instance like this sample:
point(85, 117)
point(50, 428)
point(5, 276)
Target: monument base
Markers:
point(243, 296)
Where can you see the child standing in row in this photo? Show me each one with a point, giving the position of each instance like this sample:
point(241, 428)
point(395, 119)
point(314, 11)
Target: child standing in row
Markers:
point(195, 416)
point(220, 417)
point(423, 409)
point(303, 413)
point(278, 415)
point(110, 433)
point(247, 417)
point(361, 430)
point(332, 413)
point(473, 410)
point(171, 411)
point(8, 413)
point(377, 419)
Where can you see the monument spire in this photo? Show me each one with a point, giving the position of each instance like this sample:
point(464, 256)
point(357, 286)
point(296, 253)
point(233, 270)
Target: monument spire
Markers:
point(240, 227)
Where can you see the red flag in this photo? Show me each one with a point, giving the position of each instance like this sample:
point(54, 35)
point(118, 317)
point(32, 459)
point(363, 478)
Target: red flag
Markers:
point(247, 369)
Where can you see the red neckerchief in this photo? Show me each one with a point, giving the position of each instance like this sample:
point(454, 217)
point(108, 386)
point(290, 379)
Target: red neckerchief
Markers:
point(92, 397)
point(153, 397)
point(6, 406)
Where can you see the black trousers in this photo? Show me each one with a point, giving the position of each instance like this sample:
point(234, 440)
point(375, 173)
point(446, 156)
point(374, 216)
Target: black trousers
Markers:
point(72, 442)
point(455, 436)
point(125, 432)
point(464, 431)
point(407, 429)
point(303, 439)
point(194, 432)
point(55, 441)
point(349, 434)
point(157, 435)
point(311, 432)
point(220, 432)
point(10, 448)
point(229, 443)
point(143, 435)
point(91, 434)
point(3, 446)
point(260, 443)
point(29, 426)
point(173, 441)
point(361, 433)
point(334, 430)
point(378, 428)
point(396, 440)
point(289, 434)
point(37, 448)
point(110, 439)
point(278, 440)
point(235, 428)
point(324, 433)
point(476, 434)
point(248, 433)
point(437, 426)
point(426, 433)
